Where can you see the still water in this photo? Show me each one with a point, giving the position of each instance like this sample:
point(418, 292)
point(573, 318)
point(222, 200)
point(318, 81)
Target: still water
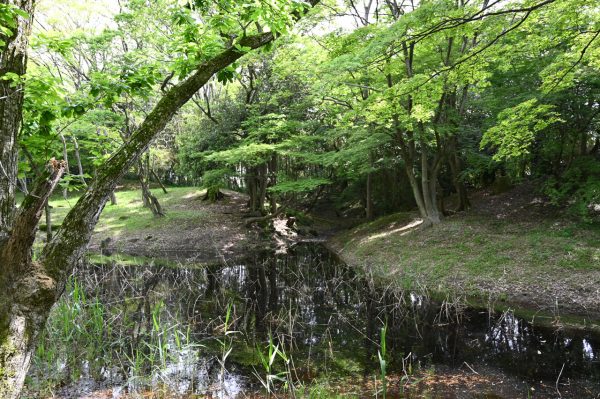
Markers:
point(299, 324)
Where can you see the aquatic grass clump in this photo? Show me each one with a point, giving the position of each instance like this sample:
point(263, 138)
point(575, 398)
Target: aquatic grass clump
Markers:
point(298, 325)
point(89, 335)
point(267, 360)
point(382, 356)
point(74, 342)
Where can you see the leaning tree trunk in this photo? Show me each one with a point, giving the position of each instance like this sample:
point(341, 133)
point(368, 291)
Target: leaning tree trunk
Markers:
point(26, 291)
point(35, 286)
point(160, 183)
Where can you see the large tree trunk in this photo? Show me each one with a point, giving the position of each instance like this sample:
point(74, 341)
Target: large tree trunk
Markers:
point(15, 334)
point(13, 59)
point(252, 189)
point(273, 165)
point(29, 289)
point(26, 292)
point(425, 191)
point(429, 190)
point(262, 184)
point(455, 168)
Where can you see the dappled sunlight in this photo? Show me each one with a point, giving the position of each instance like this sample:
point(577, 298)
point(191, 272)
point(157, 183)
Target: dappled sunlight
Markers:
point(404, 229)
point(193, 194)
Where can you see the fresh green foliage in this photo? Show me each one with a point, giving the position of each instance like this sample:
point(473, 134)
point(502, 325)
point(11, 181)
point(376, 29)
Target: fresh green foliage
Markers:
point(517, 129)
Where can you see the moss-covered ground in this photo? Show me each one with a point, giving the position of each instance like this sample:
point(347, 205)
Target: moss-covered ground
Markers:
point(535, 256)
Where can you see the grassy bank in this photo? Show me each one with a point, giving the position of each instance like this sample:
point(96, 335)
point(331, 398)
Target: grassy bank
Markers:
point(129, 215)
point(552, 264)
point(192, 230)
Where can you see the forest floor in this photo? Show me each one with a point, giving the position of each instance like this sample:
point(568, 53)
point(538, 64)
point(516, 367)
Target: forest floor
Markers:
point(511, 249)
point(194, 231)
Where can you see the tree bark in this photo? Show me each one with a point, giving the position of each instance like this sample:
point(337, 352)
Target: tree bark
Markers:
point(162, 186)
point(429, 189)
point(26, 292)
point(113, 198)
point(369, 205)
point(455, 167)
point(150, 201)
point(13, 59)
point(262, 184)
point(273, 164)
point(48, 213)
point(29, 289)
point(78, 159)
point(66, 159)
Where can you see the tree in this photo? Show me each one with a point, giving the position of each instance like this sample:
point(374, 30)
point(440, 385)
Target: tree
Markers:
point(30, 287)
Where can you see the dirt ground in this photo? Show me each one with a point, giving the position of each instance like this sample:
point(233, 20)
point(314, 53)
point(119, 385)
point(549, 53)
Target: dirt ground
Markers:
point(218, 234)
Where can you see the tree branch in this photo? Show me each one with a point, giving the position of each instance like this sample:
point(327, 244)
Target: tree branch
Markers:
point(69, 245)
point(17, 251)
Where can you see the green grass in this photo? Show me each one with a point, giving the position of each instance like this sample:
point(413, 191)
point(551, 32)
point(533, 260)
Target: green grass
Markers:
point(130, 216)
point(473, 251)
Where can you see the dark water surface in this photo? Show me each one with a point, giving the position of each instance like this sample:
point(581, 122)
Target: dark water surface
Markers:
point(180, 331)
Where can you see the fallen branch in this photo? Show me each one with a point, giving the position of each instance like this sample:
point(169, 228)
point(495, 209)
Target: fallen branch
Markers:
point(250, 221)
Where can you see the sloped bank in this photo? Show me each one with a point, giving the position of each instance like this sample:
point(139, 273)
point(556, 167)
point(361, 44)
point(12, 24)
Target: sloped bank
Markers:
point(506, 252)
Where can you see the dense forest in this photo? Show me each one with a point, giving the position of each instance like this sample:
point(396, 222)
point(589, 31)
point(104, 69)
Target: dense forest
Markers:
point(444, 150)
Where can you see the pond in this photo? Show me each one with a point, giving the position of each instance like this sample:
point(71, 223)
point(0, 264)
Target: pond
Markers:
point(299, 324)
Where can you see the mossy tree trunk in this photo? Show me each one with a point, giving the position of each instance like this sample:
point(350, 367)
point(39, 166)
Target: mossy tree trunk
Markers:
point(14, 336)
point(13, 60)
point(27, 292)
point(29, 289)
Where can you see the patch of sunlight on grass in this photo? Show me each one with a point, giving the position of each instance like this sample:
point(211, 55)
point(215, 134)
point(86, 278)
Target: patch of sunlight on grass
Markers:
point(405, 229)
point(129, 215)
point(194, 194)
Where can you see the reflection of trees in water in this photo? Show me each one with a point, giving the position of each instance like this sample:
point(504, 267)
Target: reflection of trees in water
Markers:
point(320, 310)
point(509, 334)
point(537, 351)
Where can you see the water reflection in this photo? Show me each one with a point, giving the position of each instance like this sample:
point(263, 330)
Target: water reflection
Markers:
point(173, 327)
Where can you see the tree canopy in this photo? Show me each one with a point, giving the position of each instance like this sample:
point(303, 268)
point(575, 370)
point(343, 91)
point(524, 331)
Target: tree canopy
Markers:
point(369, 107)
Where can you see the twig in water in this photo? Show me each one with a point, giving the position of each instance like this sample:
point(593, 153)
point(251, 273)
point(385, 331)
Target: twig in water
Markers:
point(558, 379)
